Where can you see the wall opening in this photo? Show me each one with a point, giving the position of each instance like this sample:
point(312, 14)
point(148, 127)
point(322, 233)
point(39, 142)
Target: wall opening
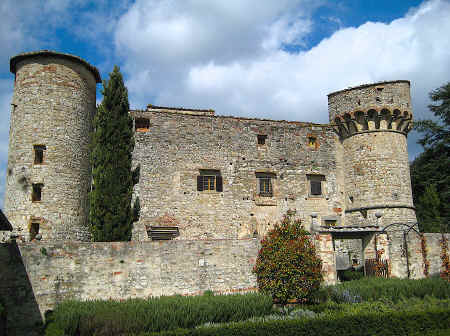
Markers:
point(34, 229)
point(39, 153)
point(142, 124)
point(209, 179)
point(265, 185)
point(262, 139)
point(36, 194)
point(316, 185)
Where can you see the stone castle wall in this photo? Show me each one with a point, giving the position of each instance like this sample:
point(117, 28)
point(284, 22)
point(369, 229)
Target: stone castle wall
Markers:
point(53, 106)
point(177, 146)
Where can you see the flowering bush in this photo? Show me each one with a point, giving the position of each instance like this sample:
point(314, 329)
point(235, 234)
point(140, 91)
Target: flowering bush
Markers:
point(287, 266)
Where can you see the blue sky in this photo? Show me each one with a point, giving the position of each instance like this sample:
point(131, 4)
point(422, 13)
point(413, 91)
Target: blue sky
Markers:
point(256, 58)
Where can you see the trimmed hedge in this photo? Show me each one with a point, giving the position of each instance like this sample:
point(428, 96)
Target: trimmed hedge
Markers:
point(372, 288)
point(369, 323)
point(154, 314)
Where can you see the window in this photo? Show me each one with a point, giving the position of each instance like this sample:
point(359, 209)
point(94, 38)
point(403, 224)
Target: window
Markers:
point(34, 229)
point(39, 153)
point(330, 222)
point(315, 185)
point(209, 180)
point(262, 139)
point(163, 232)
point(36, 193)
point(265, 188)
point(141, 124)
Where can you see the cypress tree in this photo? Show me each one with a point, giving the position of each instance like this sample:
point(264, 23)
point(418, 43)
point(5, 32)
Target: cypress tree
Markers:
point(110, 214)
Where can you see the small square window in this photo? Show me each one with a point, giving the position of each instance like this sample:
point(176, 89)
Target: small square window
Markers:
point(265, 188)
point(315, 185)
point(330, 222)
point(312, 141)
point(262, 139)
point(209, 180)
point(142, 124)
point(34, 229)
point(36, 194)
point(39, 153)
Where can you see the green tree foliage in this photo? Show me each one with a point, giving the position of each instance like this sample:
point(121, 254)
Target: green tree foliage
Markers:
point(428, 210)
point(433, 165)
point(111, 216)
point(287, 266)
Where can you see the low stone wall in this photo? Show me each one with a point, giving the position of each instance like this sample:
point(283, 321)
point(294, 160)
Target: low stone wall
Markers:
point(34, 277)
point(410, 255)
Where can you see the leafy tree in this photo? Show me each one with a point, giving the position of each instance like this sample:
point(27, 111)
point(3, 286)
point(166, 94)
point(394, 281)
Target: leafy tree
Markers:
point(433, 165)
point(287, 266)
point(111, 216)
point(428, 210)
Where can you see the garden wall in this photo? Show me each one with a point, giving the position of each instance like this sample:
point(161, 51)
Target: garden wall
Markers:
point(414, 256)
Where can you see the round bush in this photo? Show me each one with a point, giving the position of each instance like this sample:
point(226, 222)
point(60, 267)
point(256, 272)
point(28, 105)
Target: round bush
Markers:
point(287, 266)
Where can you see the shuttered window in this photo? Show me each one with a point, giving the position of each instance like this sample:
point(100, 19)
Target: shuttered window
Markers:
point(209, 180)
point(265, 188)
point(316, 185)
point(316, 188)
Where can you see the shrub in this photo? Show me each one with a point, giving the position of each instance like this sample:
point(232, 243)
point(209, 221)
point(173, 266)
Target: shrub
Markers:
point(2, 320)
point(371, 288)
point(351, 274)
point(154, 314)
point(287, 266)
point(390, 323)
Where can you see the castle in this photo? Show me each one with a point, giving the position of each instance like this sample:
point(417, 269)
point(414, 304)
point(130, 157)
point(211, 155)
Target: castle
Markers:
point(210, 186)
point(205, 176)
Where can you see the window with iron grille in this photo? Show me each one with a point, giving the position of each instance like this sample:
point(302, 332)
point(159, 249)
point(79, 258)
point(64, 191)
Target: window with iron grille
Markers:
point(209, 180)
point(265, 188)
point(316, 185)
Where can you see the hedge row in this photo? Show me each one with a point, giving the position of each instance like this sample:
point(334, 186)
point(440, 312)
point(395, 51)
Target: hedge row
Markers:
point(427, 322)
point(154, 314)
point(372, 288)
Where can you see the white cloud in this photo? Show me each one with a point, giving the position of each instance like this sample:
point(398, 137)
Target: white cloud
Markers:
point(230, 57)
point(160, 41)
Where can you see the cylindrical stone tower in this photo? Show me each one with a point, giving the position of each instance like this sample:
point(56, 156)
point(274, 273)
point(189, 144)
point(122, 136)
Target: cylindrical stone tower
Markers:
point(49, 172)
point(372, 122)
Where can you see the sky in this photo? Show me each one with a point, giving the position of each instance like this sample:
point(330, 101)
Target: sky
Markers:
point(274, 59)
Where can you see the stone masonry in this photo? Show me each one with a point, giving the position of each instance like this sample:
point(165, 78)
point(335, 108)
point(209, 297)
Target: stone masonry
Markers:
point(52, 111)
point(211, 186)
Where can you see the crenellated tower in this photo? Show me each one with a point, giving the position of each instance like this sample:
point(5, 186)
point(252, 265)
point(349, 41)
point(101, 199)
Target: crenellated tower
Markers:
point(49, 174)
point(372, 122)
